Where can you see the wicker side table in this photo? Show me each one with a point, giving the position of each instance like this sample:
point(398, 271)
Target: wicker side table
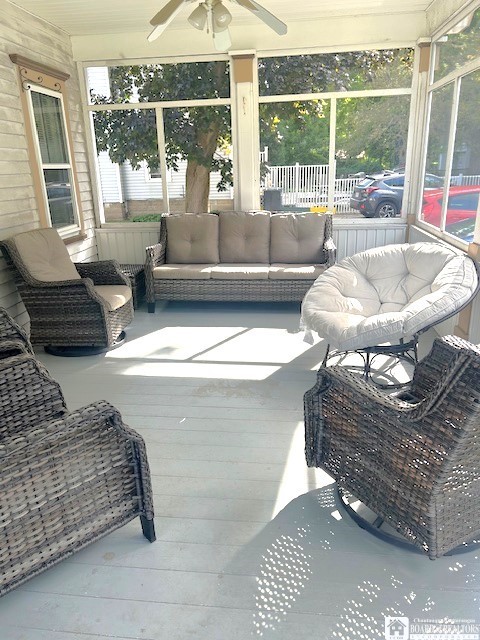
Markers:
point(136, 275)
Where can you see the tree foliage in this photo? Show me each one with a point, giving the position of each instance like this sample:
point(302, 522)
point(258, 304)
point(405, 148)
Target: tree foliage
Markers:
point(294, 131)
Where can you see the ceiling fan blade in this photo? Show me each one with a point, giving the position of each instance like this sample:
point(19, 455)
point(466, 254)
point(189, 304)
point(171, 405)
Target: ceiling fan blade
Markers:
point(264, 15)
point(164, 17)
point(222, 40)
point(167, 13)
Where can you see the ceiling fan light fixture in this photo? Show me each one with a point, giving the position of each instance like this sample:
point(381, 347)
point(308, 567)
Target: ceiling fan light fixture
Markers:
point(198, 17)
point(221, 17)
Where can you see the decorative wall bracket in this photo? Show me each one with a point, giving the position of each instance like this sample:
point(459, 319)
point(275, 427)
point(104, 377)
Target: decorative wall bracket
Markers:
point(36, 74)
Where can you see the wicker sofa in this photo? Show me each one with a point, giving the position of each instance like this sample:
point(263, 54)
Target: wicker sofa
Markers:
point(238, 256)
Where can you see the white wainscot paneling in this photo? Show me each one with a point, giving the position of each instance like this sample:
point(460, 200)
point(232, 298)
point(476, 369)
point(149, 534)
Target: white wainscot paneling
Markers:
point(352, 236)
point(126, 242)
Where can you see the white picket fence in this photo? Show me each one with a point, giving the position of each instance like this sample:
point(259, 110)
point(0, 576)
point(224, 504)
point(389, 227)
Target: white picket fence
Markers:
point(306, 186)
point(465, 180)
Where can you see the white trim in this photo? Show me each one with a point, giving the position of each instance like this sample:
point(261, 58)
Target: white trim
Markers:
point(450, 149)
point(454, 19)
point(128, 62)
point(70, 229)
point(327, 95)
point(92, 154)
point(162, 156)
point(414, 158)
point(206, 102)
point(299, 51)
point(467, 68)
point(332, 148)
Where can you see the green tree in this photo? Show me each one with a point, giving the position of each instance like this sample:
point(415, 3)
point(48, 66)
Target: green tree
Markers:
point(196, 134)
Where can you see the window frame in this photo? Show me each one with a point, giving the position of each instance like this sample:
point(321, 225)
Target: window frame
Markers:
point(454, 77)
point(159, 106)
point(332, 97)
point(39, 78)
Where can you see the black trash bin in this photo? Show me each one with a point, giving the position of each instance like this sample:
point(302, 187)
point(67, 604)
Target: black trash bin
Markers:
point(272, 199)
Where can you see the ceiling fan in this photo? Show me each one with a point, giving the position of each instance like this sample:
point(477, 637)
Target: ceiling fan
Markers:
point(213, 15)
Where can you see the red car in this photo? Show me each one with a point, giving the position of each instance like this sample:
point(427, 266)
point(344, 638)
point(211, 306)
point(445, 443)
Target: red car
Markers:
point(462, 204)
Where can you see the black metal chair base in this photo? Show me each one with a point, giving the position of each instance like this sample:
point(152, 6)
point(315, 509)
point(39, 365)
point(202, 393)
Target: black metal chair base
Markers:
point(374, 526)
point(87, 350)
point(406, 351)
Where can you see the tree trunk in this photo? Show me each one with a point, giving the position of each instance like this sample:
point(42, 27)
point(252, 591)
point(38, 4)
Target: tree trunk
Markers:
point(198, 175)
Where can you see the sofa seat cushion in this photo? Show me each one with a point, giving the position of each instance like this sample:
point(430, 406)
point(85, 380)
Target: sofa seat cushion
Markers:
point(244, 237)
point(192, 238)
point(245, 271)
point(295, 271)
point(114, 295)
point(45, 255)
point(183, 272)
point(297, 238)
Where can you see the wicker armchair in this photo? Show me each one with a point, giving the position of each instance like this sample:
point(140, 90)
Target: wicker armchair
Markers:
point(66, 478)
point(71, 306)
point(414, 460)
point(13, 339)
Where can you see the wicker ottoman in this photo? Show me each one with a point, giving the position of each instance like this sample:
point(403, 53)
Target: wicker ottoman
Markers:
point(136, 275)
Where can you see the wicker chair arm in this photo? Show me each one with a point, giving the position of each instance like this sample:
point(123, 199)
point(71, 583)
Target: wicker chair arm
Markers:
point(57, 429)
point(341, 401)
point(12, 347)
point(28, 394)
point(155, 255)
point(99, 414)
point(331, 250)
point(434, 368)
point(102, 272)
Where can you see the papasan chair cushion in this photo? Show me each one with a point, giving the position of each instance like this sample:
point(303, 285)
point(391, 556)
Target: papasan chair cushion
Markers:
point(383, 295)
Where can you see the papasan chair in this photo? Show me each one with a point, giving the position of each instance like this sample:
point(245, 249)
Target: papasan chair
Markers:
point(379, 301)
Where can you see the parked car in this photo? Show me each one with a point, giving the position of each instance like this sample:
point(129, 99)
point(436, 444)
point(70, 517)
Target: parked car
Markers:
point(381, 195)
point(462, 204)
point(462, 229)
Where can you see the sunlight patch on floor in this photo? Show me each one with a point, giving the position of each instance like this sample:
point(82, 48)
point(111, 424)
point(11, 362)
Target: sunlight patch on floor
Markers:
point(260, 345)
point(200, 370)
point(297, 478)
point(175, 343)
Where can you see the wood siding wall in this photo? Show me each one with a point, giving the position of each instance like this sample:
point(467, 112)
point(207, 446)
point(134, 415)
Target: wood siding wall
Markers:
point(24, 34)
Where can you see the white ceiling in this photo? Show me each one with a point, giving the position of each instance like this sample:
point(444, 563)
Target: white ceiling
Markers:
point(93, 17)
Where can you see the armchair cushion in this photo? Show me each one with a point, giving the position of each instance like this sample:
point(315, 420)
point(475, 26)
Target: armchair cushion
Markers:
point(45, 255)
point(114, 295)
point(297, 238)
point(244, 236)
point(192, 238)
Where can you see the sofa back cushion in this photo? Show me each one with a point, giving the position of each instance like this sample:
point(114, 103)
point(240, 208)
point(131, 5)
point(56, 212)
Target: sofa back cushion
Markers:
point(297, 238)
point(192, 238)
point(45, 255)
point(244, 236)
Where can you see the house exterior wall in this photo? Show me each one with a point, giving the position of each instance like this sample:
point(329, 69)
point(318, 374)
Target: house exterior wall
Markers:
point(23, 34)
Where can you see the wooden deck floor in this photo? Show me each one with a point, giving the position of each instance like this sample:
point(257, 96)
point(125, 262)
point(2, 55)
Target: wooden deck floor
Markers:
point(251, 544)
